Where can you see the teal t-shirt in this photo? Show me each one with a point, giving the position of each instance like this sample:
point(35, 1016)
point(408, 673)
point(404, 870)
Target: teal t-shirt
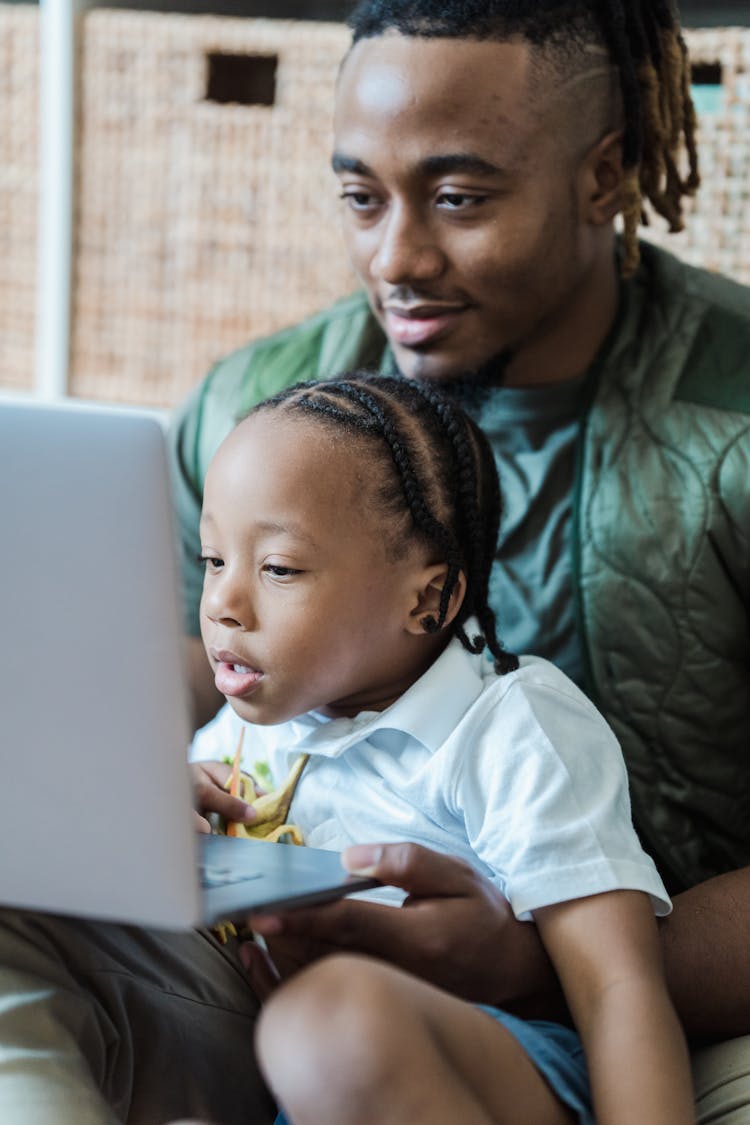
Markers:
point(533, 431)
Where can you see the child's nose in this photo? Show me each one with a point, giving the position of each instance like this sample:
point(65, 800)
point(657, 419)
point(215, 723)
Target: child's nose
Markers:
point(229, 603)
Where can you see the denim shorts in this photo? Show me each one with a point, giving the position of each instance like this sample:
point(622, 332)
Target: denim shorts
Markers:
point(557, 1054)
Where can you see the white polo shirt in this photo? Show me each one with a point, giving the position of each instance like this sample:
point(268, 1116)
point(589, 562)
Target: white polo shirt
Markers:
point(518, 774)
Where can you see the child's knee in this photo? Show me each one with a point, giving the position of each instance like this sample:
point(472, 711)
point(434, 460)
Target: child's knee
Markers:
point(337, 1010)
point(318, 1000)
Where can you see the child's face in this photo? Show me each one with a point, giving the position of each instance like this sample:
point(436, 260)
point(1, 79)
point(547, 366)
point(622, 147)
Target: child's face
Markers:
point(302, 609)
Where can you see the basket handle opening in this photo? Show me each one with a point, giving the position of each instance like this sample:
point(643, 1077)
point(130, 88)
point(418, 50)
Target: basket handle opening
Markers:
point(241, 79)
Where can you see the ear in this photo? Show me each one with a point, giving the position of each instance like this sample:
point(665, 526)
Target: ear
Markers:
point(425, 608)
point(601, 178)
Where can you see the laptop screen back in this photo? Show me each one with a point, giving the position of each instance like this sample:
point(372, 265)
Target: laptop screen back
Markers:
point(95, 805)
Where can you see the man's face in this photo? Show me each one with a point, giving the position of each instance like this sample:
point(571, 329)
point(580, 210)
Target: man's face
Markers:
point(460, 200)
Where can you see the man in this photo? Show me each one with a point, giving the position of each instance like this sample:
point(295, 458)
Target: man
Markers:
point(483, 154)
point(480, 176)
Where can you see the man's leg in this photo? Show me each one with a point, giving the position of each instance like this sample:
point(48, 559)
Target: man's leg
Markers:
point(102, 1023)
point(352, 1040)
point(721, 1074)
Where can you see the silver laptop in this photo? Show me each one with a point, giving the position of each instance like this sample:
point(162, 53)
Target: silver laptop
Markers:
point(95, 799)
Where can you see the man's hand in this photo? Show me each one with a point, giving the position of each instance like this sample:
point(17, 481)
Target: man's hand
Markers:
point(209, 779)
point(455, 929)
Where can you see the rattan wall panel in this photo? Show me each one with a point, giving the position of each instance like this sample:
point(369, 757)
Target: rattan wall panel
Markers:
point(19, 192)
point(200, 225)
point(717, 220)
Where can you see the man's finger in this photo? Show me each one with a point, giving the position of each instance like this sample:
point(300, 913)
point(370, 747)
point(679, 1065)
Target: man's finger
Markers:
point(417, 870)
point(347, 924)
point(262, 974)
point(405, 936)
point(351, 923)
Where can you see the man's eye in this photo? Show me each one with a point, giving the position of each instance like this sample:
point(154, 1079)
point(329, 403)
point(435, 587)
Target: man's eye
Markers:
point(459, 201)
point(359, 200)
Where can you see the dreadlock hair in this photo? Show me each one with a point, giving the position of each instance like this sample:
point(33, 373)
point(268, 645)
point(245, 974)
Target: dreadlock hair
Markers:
point(436, 473)
point(644, 43)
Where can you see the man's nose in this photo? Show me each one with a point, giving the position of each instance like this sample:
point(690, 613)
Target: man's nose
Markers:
point(407, 250)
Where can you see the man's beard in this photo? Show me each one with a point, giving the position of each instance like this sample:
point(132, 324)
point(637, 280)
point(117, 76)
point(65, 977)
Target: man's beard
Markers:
point(471, 387)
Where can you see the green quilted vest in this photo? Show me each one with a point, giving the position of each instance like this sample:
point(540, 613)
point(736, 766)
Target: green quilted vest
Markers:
point(662, 561)
point(662, 546)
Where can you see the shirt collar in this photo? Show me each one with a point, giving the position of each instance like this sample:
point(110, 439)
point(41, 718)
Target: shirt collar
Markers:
point(428, 712)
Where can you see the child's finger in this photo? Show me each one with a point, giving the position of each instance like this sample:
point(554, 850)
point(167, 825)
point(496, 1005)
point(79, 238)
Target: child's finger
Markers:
point(219, 772)
point(210, 795)
point(201, 824)
point(211, 799)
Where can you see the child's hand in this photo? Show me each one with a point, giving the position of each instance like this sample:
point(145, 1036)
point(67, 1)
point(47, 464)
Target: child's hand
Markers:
point(208, 780)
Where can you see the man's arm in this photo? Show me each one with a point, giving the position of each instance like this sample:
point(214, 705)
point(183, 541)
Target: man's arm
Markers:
point(706, 957)
point(458, 931)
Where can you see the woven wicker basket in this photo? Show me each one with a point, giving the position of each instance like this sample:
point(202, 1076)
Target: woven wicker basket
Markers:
point(202, 225)
point(717, 220)
point(19, 81)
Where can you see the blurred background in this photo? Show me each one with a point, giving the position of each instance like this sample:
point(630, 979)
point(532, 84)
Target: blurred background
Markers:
point(165, 193)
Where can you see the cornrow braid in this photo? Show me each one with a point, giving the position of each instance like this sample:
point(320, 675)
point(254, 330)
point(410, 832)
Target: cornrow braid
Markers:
point(644, 43)
point(481, 520)
point(447, 482)
point(433, 529)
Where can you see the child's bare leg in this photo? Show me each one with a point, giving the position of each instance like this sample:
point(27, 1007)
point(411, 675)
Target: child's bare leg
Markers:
point(351, 1041)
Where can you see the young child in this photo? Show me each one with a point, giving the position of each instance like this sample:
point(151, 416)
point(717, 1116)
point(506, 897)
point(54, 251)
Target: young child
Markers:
point(348, 534)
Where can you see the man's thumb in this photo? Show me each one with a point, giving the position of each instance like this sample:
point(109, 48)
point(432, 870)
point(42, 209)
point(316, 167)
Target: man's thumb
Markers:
point(417, 870)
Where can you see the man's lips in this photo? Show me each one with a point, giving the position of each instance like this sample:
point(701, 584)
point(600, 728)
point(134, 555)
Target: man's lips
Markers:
point(413, 326)
point(232, 676)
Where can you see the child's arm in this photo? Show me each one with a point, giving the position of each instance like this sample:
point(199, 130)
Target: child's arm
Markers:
point(606, 951)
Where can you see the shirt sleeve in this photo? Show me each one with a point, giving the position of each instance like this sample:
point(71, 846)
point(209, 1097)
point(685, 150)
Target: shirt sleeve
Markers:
point(544, 795)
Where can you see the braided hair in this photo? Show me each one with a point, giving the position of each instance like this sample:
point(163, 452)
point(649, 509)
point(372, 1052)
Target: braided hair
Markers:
point(644, 43)
point(437, 473)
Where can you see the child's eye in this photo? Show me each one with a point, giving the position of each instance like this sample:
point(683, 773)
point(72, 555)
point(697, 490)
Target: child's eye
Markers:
point(280, 571)
point(211, 562)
